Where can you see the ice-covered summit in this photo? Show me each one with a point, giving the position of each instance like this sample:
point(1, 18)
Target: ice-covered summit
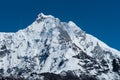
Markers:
point(49, 48)
point(45, 16)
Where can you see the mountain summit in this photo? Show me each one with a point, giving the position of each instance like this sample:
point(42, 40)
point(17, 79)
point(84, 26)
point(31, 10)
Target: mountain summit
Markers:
point(49, 49)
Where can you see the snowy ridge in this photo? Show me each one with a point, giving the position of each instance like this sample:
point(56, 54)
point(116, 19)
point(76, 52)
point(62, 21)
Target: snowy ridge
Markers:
point(51, 46)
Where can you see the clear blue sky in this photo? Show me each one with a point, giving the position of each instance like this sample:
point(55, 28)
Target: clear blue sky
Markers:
point(100, 18)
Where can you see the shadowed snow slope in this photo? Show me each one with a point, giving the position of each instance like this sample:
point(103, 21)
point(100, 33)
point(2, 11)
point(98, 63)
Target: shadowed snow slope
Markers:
point(49, 48)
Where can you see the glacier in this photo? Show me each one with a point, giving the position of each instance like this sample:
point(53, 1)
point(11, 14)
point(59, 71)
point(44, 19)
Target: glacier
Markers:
point(51, 48)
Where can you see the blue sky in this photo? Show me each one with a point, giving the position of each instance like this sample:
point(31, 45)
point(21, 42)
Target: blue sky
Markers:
point(100, 18)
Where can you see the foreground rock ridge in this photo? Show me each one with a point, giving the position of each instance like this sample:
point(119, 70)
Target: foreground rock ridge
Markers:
point(49, 49)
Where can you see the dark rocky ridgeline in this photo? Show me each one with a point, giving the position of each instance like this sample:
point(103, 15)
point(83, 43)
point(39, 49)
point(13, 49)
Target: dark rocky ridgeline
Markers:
point(51, 76)
point(69, 75)
point(11, 78)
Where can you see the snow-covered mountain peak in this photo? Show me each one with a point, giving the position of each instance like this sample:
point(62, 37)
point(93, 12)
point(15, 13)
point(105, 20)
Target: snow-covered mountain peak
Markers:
point(48, 24)
point(42, 17)
point(45, 16)
point(44, 21)
point(51, 46)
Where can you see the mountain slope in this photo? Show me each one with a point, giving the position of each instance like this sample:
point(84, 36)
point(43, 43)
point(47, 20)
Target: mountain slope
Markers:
point(51, 48)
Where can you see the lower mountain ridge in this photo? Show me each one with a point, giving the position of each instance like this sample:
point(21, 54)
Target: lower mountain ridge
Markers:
point(49, 49)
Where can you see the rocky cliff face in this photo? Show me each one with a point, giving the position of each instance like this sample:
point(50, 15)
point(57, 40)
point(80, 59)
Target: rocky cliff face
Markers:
point(49, 49)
